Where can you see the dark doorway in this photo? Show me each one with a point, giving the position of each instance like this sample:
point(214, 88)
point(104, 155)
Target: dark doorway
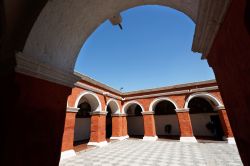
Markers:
point(166, 121)
point(216, 127)
point(82, 124)
point(205, 120)
point(108, 123)
point(135, 121)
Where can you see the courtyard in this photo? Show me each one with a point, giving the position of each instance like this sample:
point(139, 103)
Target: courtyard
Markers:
point(158, 153)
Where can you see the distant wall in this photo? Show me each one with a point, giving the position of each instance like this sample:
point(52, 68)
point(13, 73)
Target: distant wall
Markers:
point(82, 129)
point(162, 120)
point(199, 122)
point(135, 125)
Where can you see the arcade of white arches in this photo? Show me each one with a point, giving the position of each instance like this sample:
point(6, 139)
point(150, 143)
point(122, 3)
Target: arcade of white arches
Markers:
point(97, 112)
point(40, 41)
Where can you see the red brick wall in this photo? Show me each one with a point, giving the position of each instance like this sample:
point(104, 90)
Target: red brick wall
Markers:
point(185, 124)
point(149, 125)
point(37, 126)
point(225, 123)
point(68, 135)
point(124, 126)
point(116, 126)
point(98, 128)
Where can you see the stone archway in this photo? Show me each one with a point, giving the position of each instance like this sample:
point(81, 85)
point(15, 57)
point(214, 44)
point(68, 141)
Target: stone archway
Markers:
point(135, 127)
point(204, 116)
point(166, 121)
point(87, 102)
point(112, 108)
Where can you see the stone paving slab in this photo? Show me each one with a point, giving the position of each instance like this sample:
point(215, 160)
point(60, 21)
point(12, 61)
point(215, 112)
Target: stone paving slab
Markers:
point(133, 152)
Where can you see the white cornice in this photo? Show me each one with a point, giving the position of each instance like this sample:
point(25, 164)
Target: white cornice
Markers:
point(30, 67)
point(96, 90)
point(157, 95)
point(210, 16)
point(204, 89)
point(171, 93)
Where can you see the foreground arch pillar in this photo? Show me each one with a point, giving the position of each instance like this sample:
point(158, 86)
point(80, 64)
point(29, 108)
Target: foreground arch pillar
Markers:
point(229, 58)
point(98, 129)
point(39, 109)
point(228, 133)
point(117, 127)
point(68, 135)
point(185, 125)
point(149, 126)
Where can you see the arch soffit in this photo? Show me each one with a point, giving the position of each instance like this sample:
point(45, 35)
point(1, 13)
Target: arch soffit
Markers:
point(157, 100)
point(125, 106)
point(86, 94)
point(43, 42)
point(111, 102)
point(207, 96)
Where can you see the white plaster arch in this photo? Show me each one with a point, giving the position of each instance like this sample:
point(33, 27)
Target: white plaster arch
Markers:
point(125, 106)
point(115, 109)
point(157, 100)
point(92, 99)
point(207, 96)
point(72, 21)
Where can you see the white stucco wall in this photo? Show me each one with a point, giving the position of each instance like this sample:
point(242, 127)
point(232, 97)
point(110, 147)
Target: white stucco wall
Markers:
point(162, 120)
point(135, 125)
point(199, 122)
point(82, 129)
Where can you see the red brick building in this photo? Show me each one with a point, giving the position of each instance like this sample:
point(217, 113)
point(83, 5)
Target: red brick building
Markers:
point(96, 112)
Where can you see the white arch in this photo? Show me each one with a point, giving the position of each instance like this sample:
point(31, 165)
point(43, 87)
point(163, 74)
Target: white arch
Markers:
point(48, 40)
point(115, 109)
point(157, 100)
point(206, 96)
point(93, 100)
point(125, 106)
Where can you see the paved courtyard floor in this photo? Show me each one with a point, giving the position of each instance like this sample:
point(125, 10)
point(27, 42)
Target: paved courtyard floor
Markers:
point(136, 152)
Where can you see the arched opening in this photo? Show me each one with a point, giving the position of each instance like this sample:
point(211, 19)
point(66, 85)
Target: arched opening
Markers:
point(87, 103)
point(109, 123)
point(205, 120)
point(111, 109)
point(166, 121)
point(134, 120)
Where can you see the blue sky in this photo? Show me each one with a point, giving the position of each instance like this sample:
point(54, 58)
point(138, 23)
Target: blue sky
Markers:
point(152, 50)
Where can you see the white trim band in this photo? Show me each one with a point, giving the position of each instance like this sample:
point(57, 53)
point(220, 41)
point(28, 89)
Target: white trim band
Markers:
point(72, 109)
point(150, 138)
point(67, 154)
point(98, 113)
point(120, 138)
point(182, 110)
point(148, 113)
point(188, 139)
point(98, 144)
point(118, 115)
point(222, 107)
